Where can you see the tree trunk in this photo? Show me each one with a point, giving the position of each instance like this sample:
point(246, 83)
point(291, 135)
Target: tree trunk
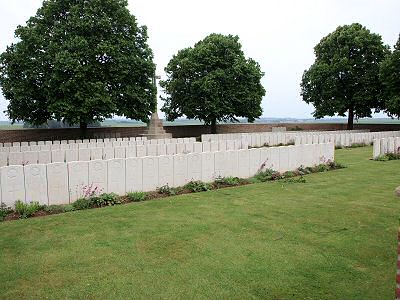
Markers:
point(214, 126)
point(83, 127)
point(350, 120)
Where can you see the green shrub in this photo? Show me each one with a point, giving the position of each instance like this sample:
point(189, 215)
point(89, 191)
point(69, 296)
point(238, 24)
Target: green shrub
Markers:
point(227, 181)
point(136, 196)
point(299, 179)
point(82, 203)
point(68, 208)
point(321, 168)
point(335, 165)
point(105, 200)
point(288, 174)
point(198, 186)
point(393, 156)
point(55, 209)
point(4, 211)
point(263, 176)
point(26, 210)
point(167, 190)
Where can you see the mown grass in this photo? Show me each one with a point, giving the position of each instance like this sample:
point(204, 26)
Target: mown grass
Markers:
point(333, 237)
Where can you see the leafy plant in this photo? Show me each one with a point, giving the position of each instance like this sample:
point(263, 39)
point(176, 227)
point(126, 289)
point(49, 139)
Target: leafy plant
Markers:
point(26, 210)
point(105, 200)
point(167, 190)
point(300, 179)
point(82, 203)
point(136, 196)
point(263, 176)
point(55, 209)
point(198, 186)
point(227, 181)
point(4, 211)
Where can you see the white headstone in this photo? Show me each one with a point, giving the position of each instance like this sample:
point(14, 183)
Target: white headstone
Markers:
point(36, 184)
point(141, 150)
point(214, 146)
point(150, 173)
point(96, 153)
point(98, 174)
point(57, 183)
point(221, 164)
point(12, 185)
point(108, 153)
point(30, 157)
point(44, 157)
point(134, 174)
point(194, 166)
point(152, 149)
point(162, 149)
point(283, 159)
point(84, 154)
point(171, 149)
point(3, 159)
point(165, 170)
point(243, 163)
point(35, 148)
point(180, 170)
point(255, 161)
point(55, 147)
point(130, 151)
point(57, 156)
point(15, 149)
point(15, 158)
point(189, 147)
point(180, 148)
point(197, 147)
point(71, 155)
point(207, 166)
point(206, 147)
point(222, 145)
point(116, 176)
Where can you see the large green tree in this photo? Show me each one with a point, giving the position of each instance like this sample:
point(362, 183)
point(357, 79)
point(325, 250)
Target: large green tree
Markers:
point(390, 78)
point(345, 75)
point(79, 61)
point(213, 81)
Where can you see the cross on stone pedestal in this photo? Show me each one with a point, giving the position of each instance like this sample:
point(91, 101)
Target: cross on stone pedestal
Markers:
point(155, 129)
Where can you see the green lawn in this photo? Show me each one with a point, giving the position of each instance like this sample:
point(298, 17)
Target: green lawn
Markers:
point(333, 237)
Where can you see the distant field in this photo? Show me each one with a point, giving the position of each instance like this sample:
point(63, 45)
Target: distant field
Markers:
point(132, 123)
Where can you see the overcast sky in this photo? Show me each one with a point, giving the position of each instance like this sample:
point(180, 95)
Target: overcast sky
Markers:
point(280, 35)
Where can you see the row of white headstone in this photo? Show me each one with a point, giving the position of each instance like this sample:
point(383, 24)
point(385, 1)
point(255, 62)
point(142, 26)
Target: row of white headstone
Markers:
point(24, 146)
point(344, 139)
point(340, 138)
point(79, 141)
point(63, 183)
point(266, 134)
point(386, 145)
point(86, 154)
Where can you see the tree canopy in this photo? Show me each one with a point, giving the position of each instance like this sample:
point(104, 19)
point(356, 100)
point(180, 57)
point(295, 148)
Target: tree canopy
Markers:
point(213, 81)
point(390, 78)
point(345, 75)
point(80, 62)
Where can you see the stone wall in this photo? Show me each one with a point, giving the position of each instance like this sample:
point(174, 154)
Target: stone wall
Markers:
point(19, 135)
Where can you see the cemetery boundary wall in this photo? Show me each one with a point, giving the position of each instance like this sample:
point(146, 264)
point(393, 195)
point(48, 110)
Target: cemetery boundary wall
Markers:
point(177, 131)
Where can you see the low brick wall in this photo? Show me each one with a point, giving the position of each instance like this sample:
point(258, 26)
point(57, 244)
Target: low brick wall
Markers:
point(19, 135)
